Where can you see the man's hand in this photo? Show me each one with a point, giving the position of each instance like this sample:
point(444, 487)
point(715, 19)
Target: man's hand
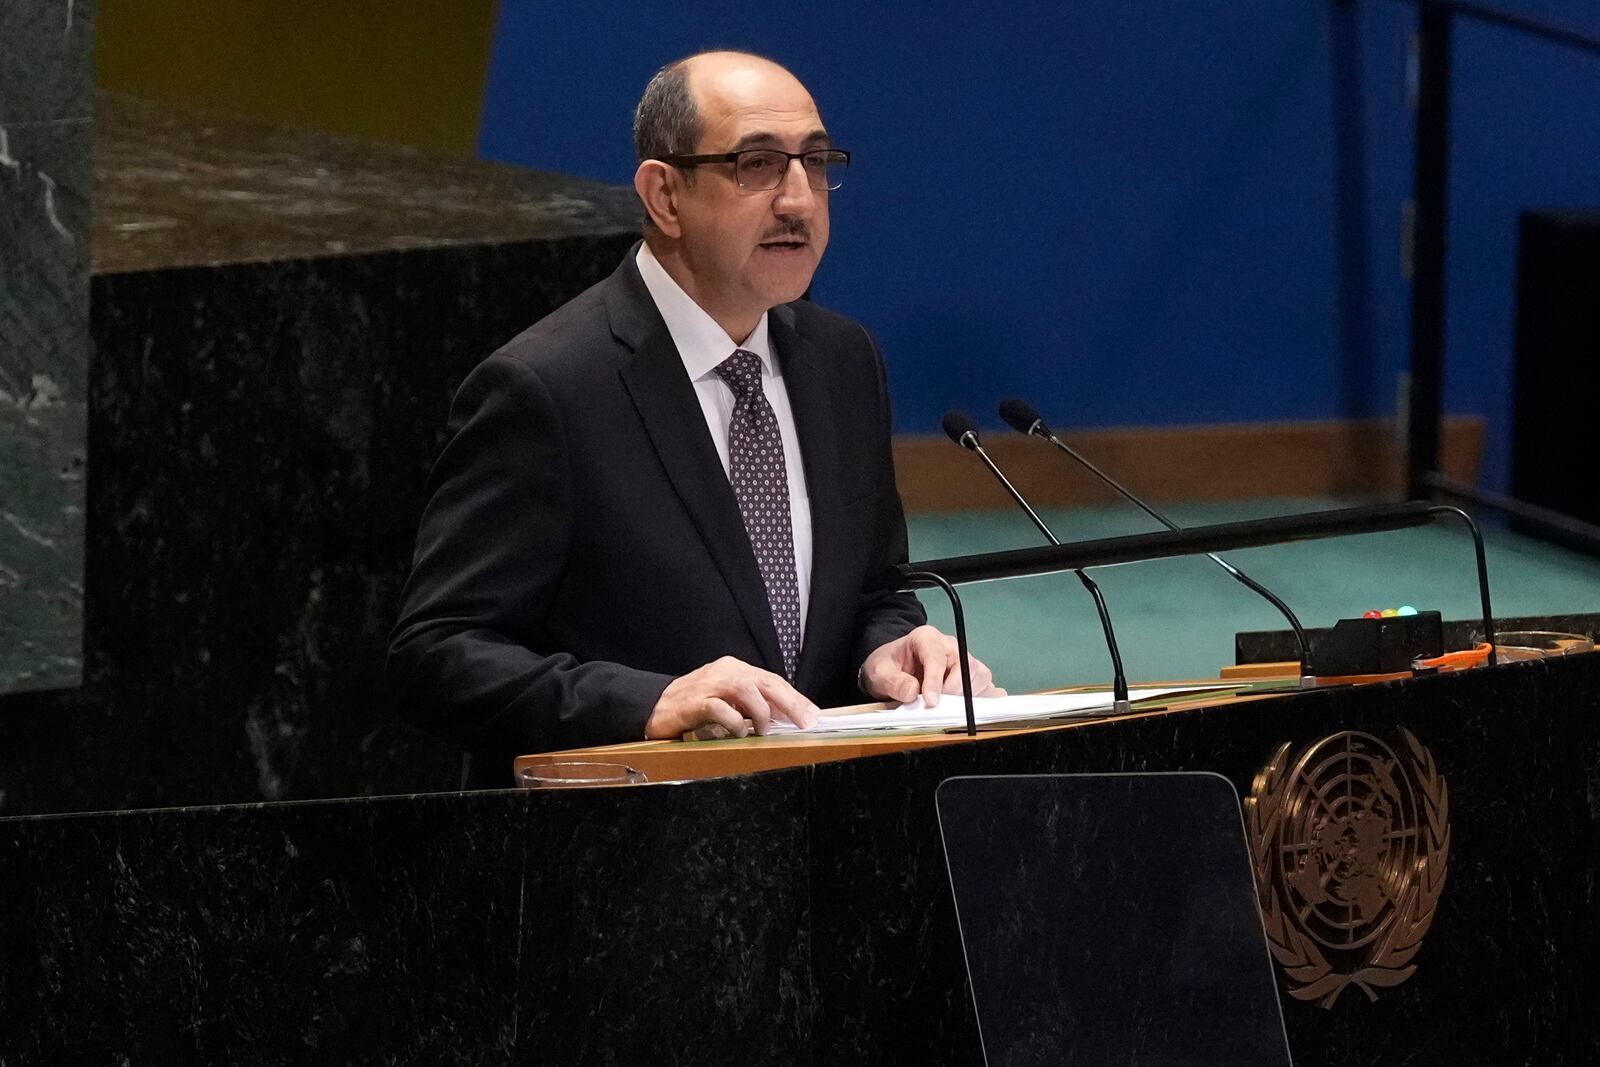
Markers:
point(727, 692)
point(923, 661)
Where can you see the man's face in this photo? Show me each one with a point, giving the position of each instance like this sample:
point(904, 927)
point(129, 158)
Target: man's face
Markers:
point(752, 249)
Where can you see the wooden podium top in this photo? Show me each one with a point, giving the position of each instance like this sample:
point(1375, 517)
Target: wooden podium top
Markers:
point(690, 760)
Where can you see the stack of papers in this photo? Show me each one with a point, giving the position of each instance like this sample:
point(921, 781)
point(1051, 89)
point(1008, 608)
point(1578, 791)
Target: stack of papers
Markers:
point(952, 710)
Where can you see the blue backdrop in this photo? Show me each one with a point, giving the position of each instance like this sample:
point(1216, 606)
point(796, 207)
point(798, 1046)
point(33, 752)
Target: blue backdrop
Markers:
point(1135, 212)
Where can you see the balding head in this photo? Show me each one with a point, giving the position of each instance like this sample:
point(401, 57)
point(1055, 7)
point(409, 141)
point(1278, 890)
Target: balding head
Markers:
point(669, 118)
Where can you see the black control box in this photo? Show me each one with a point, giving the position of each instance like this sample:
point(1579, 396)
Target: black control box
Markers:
point(1377, 646)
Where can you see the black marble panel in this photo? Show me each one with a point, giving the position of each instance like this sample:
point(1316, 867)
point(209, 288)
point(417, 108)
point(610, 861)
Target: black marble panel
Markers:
point(668, 924)
point(379, 932)
point(483, 928)
point(44, 216)
point(793, 916)
point(45, 69)
point(260, 437)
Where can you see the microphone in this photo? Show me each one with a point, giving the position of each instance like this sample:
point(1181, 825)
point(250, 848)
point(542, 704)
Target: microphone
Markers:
point(1022, 417)
point(960, 428)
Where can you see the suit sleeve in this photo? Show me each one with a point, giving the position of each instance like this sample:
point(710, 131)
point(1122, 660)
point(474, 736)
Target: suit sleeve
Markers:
point(464, 656)
point(884, 614)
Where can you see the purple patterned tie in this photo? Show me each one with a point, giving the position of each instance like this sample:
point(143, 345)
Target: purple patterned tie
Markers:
point(761, 485)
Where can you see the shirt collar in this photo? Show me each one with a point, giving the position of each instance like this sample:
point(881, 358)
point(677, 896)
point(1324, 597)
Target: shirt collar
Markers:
point(702, 344)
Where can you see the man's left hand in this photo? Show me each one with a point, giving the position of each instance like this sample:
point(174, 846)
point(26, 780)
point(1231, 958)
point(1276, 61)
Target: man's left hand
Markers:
point(923, 661)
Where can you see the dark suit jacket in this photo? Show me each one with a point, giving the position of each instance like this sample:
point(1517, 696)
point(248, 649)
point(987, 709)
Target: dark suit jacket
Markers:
point(582, 546)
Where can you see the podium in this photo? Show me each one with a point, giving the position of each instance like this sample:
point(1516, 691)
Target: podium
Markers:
point(1425, 853)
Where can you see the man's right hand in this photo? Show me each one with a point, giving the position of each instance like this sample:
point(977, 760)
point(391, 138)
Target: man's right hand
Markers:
point(727, 692)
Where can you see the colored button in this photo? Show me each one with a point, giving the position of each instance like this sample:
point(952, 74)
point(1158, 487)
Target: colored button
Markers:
point(1408, 610)
point(1372, 615)
point(1389, 613)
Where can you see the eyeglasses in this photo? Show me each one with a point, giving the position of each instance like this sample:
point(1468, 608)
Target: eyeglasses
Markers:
point(764, 168)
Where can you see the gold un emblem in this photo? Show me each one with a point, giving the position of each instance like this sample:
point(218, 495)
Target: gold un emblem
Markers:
point(1350, 843)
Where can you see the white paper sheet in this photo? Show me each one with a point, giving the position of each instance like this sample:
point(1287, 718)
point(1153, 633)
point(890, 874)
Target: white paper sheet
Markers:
point(952, 710)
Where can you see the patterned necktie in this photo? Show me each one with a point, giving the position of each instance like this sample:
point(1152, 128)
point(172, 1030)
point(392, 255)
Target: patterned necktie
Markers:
point(761, 485)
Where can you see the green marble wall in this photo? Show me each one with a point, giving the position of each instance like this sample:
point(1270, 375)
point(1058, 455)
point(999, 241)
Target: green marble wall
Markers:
point(45, 117)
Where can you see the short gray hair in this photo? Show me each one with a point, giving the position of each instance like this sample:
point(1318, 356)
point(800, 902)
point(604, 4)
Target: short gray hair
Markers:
point(666, 122)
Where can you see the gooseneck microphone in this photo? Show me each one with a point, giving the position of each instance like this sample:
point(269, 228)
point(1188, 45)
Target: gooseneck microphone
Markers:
point(963, 431)
point(1025, 419)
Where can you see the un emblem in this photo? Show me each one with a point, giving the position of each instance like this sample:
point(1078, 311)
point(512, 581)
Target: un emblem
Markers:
point(1350, 842)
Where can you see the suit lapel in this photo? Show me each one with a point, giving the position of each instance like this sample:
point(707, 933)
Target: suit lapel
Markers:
point(811, 397)
point(665, 399)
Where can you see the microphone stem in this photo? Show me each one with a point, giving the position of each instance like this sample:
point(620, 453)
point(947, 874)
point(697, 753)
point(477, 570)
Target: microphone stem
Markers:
point(1015, 495)
point(1307, 678)
point(1039, 431)
point(1119, 680)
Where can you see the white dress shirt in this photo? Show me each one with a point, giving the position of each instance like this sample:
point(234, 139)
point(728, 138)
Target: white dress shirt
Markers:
point(703, 345)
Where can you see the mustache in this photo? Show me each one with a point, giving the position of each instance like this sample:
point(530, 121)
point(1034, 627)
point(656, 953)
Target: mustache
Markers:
point(789, 228)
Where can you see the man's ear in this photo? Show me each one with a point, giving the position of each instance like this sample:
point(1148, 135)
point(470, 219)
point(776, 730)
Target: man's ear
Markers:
point(658, 186)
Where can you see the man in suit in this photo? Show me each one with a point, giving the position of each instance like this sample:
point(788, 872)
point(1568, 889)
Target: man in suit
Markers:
point(671, 503)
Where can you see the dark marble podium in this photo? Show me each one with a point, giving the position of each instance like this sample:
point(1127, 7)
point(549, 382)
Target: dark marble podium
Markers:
point(795, 916)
